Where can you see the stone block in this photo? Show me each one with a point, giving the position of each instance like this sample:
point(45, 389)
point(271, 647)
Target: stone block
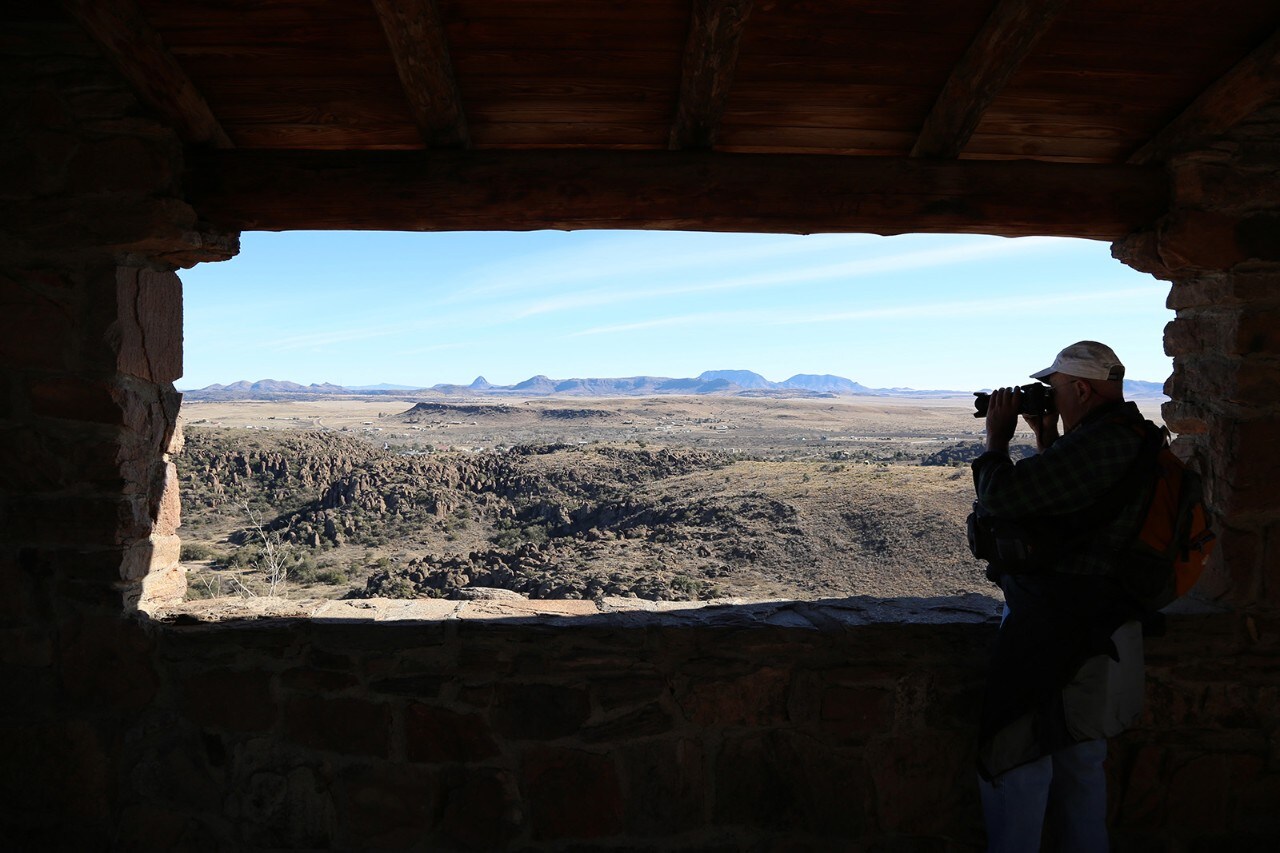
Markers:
point(385, 806)
point(71, 521)
point(287, 805)
point(439, 735)
point(634, 689)
point(105, 663)
point(155, 553)
point(1258, 235)
point(571, 794)
point(339, 724)
point(1254, 803)
point(39, 332)
point(1140, 803)
point(856, 711)
point(24, 588)
point(168, 516)
point(1185, 418)
point(38, 166)
point(1257, 331)
point(310, 679)
point(1201, 331)
point(482, 810)
point(788, 782)
point(149, 324)
point(121, 164)
point(1238, 572)
point(1140, 251)
point(229, 699)
point(1198, 793)
point(923, 783)
point(538, 711)
point(1200, 240)
point(757, 698)
point(1253, 467)
point(36, 458)
point(75, 399)
point(1255, 383)
point(177, 440)
point(1194, 291)
point(66, 774)
point(416, 686)
point(644, 722)
point(162, 585)
point(152, 826)
point(666, 785)
point(26, 647)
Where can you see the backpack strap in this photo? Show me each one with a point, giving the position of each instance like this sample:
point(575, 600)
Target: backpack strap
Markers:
point(1137, 478)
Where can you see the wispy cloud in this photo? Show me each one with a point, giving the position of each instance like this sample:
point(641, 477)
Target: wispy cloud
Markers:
point(886, 265)
point(623, 257)
point(962, 308)
point(431, 348)
point(705, 318)
point(978, 307)
point(334, 336)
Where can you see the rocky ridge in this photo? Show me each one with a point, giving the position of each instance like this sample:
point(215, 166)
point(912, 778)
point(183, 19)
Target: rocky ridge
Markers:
point(572, 521)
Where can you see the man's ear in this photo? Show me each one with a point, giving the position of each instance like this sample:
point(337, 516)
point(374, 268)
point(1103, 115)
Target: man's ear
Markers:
point(1083, 389)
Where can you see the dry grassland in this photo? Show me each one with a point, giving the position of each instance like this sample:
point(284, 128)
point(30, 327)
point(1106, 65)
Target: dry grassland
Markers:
point(660, 497)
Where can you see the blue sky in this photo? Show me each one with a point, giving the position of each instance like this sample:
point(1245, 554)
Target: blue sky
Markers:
point(920, 311)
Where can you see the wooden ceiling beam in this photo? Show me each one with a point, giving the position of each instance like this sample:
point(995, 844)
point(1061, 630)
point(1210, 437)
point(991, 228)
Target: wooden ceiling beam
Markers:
point(528, 190)
point(710, 58)
point(415, 33)
point(136, 50)
point(1242, 91)
point(993, 56)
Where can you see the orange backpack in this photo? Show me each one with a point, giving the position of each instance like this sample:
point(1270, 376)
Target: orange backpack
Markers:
point(1173, 542)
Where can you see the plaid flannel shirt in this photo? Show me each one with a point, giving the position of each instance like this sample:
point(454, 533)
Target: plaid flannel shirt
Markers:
point(1070, 476)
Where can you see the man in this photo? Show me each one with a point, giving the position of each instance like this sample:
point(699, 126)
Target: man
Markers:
point(1067, 667)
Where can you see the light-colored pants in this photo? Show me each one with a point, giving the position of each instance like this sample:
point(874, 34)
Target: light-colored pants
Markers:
point(1065, 794)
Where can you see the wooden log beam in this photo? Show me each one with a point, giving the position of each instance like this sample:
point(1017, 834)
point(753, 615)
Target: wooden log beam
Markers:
point(710, 57)
point(1246, 88)
point(995, 53)
point(527, 190)
point(416, 36)
point(136, 50)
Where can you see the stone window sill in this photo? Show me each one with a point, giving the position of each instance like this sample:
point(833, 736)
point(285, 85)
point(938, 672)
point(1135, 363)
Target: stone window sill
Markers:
point(828, 614)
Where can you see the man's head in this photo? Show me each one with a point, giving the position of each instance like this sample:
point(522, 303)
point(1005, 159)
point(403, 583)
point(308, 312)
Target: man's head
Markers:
point(1084, 376)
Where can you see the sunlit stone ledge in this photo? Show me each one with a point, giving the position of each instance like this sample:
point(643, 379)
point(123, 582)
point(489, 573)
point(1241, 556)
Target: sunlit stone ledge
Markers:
point(823, 614)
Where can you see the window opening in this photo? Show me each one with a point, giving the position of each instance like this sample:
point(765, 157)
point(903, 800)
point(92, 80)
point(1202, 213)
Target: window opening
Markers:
point(664, 417)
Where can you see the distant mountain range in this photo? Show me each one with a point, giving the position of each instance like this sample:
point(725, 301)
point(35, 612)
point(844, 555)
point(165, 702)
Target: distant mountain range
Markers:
point(744, 383)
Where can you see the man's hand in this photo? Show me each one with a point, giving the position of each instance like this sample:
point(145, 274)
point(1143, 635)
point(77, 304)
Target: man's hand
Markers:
point(1002, 418)
point(1045, 427)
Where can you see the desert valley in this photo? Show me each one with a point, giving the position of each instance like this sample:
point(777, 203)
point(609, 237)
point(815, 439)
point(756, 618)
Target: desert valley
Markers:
point(661, 497)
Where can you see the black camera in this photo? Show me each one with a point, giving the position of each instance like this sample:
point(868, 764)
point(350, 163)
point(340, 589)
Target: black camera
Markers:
point(1036, 399)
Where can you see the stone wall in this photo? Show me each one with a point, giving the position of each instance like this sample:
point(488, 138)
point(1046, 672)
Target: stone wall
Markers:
point(1220, 248)
point(93, 225)
point(837, 726)
point(802, 728)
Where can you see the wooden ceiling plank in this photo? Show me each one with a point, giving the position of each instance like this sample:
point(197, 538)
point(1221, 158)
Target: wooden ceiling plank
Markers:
point(1252, 83)
point(417, 40)
point(247, 190)
point(992, 58)
point(710, 58)
point(137, 51)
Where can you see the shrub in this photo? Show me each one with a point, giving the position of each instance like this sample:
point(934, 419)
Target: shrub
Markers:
point(399, 588)
point(198, 551)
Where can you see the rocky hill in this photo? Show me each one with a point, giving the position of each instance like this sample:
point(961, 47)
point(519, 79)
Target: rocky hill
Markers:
point(571, 521)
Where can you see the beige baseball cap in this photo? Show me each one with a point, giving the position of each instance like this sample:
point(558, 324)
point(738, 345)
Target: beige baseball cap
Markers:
point(1087, 360)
